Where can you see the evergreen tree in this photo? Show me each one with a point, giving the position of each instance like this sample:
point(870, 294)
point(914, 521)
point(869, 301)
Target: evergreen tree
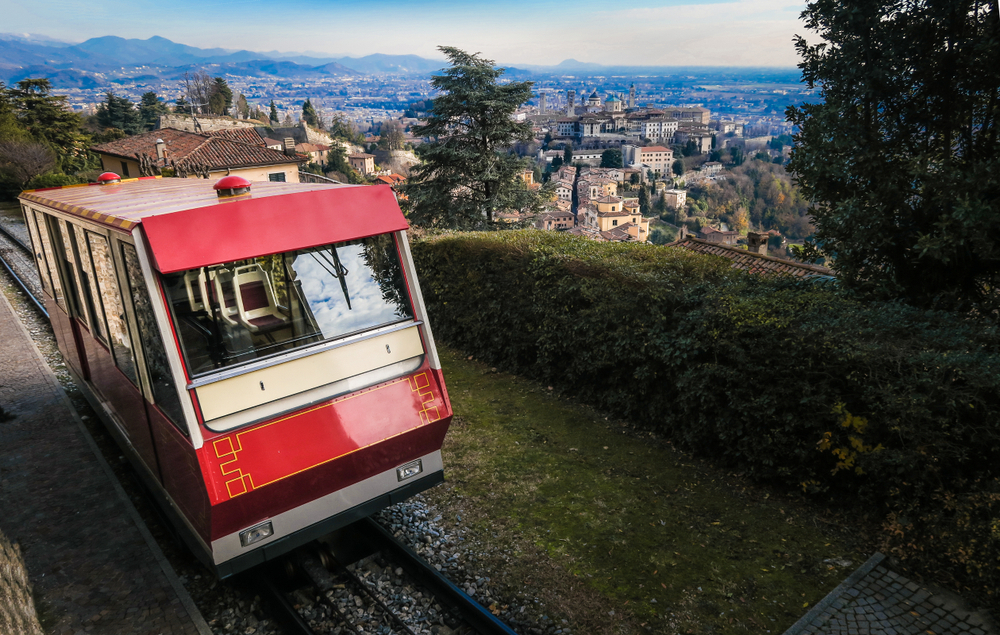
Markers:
point(611, 158)
point(273, 116)
point(242, 107)
point(678, 167)
point(150, 109)
point(644, 201)
point(221, 98)
point(466, 177)
point(568, 154)
point(901, 156)
point(118, 112)
point(309, 114)
point(336, 161)
point(48, 120)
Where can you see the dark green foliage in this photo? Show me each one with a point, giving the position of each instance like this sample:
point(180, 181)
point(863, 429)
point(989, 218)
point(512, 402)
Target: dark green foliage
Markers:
point(880, 406)
point(221, 98)
point(309, 114)
point(150, 109)
point(119, 112)
point(273, 113)
point(336, 161)
point(53, 180)
point(611, 158)
point(678, 167)
point(466, 176)
point(568, 154)
point(901, 156)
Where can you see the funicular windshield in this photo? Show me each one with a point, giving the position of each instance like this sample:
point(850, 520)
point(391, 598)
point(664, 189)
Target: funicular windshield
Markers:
point(242, 311)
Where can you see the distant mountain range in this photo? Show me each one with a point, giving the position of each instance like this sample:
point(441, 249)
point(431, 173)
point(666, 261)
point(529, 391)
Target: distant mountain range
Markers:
point(98, 61)
point(102, 61)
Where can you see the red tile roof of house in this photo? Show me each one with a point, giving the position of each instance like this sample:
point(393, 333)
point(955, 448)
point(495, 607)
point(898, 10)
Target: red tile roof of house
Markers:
point(187, 149)
point(649, 149)
point(751, 261)
point(390, 179)
point(246, 135)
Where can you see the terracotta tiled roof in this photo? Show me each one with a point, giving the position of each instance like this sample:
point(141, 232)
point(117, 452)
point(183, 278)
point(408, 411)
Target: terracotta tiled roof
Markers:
point(246, 135)
point(649, 149)
point(390, 179)
point(617, 234)
point(753, 262)
point(185, 149)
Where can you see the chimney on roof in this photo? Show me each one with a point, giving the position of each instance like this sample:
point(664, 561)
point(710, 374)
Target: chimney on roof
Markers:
point(161, 150)
point(757, 243)
point(288, 145)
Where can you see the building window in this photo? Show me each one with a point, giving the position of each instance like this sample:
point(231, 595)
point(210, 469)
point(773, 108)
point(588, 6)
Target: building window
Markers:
point(124, 170)
point(276, 177)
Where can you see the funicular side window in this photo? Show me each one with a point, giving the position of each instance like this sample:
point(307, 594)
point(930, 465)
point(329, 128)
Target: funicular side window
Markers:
point(31, 220)
point(111, 299)
point(89, 284)
point(50, 261)
point(160, 378)
point(246, 310)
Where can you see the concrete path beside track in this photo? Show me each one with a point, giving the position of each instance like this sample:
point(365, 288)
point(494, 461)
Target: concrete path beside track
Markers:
point(92, 563)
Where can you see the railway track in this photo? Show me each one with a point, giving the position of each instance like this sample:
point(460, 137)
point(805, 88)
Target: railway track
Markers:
point(18, 260)
point(352, 580)
point(349, 581)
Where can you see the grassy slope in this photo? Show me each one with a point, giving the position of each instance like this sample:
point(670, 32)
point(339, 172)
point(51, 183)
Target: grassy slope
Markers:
point(626, 518)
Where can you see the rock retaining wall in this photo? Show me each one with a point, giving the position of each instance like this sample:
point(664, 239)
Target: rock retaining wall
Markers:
point(17, 608)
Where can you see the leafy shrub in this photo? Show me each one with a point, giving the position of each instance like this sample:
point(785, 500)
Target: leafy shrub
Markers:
point(880, 405)
point(52, 180)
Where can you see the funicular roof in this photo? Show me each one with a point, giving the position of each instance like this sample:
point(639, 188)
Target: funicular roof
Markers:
point(188, 226)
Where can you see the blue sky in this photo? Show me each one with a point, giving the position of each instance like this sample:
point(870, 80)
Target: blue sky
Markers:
point(632, 32)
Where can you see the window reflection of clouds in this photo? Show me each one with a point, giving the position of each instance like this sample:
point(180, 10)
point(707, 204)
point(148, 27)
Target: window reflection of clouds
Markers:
point(326, 296)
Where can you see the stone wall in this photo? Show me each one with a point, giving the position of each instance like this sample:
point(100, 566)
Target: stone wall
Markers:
point(17, 609)
point(399, 161)
point(208, 123)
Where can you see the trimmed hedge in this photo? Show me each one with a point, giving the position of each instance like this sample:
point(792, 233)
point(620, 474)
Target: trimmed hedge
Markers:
point(878, 405)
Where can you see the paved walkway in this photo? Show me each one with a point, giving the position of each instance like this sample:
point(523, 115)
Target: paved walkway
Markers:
point(877, 601)
point(92, 564)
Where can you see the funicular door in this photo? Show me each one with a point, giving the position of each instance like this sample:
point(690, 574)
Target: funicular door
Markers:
point(116, 375)
point(67, 315)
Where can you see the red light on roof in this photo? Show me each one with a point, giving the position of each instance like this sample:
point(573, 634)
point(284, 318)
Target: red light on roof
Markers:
point(232, 185)
point(108, 178)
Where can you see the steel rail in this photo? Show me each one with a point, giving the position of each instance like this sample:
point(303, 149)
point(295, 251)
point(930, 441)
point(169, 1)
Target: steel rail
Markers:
point(14, 239)
point(280, 608)
point(475, 614)
point(23, 285)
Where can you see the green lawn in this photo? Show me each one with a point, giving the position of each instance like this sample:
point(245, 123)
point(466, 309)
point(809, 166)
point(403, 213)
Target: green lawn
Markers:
point(663, 540)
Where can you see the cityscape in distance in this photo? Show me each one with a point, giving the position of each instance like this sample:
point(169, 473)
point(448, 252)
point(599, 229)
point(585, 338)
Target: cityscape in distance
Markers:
point(373, 88)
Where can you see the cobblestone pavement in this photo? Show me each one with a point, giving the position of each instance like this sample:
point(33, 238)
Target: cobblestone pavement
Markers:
point(91, 563)
point(877, 601)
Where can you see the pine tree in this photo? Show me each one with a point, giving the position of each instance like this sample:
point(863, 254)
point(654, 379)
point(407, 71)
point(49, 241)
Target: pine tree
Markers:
point(309, 114)
point(150, 109)
point(466, 176)
point(221, 99)
point(118, 112)
point(274, 113)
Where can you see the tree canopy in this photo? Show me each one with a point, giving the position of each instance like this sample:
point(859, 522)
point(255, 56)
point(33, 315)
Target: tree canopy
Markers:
point(466, 177)
point(611, 158)
point(901, 157)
